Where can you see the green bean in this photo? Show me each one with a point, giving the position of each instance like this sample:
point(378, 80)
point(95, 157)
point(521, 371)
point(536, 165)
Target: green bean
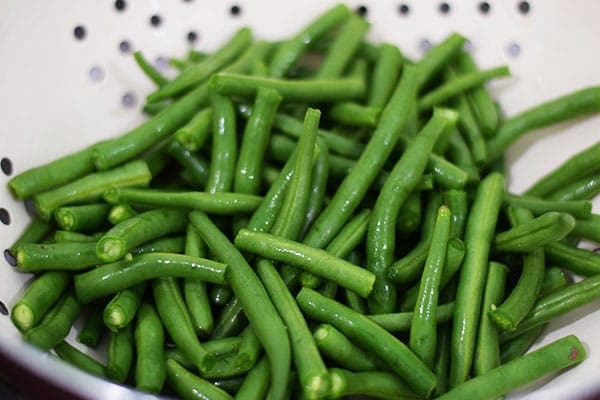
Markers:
point(290, 51)
point(554, 278)
point(231, 320)
point(457, 201)
point(371, 337)
point(423, 329)
point(437, 57)
point(224, 145)
point(487, 350)
point(579, 260)
point(553, 357)
point(401, 321)
point(408, 268)
point(169, 244)
point(191, 163)
point(93, 327)
point(61, 236)
point(194, 290)
point(454, 255)
point(471, 131)
point(214, 203)
point(402, 180)
point(218, 347)
point(53, 174)
point(376, 384)
point(478, 236)
point(459, 84)
point(255, 301)
point(289, 222)
point(353, 114)
point(343, 47)
point(312, 373)
point(354, 187)
point(318, 191)
point(120, 354)
point(178, 322)
point(409, 215)
point(111, 278)
point(515, 307)
point(256, 383)
point(132, 232)
point(90, 187)
point(120, 212)
point(39, 296)
point(229, 385)
point(147, 68)
point(150, 366)
point(82, 218)
point(535, 233)
point(441, 367)
point(152, 109)
point(479, 97)
point(558, 303)
point(538, 206)
point(255, 140)
point(190, 386)
point(569, 106)
point(306, 90)
point(459, 153)
point(194, 134)
point(385, 74)
point(178, 64)
point(122, 308)
point(588, 228)
point(166, 122)
point(316, 261)
point(56, 324)
point(79, 359)
point(200, 72)
point(73, 256)
point(585, 188)
point(338, 348)
point(518, 346)
point(35, 232)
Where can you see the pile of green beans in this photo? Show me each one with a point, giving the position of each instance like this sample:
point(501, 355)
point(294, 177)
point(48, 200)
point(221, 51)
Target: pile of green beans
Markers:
point(314, 218)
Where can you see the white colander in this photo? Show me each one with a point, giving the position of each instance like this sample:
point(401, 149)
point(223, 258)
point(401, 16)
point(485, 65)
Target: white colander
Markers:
point(67, 79)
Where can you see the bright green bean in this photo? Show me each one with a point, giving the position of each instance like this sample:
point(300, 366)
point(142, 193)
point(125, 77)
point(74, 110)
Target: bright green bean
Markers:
point(190, 386)
point(385, 74)
point(194, 290)
point(579, 260)
point(538, 206)
point(150, 367)
point(437, 57)
point(120, 212)
point(401, 321)
point(82, 218)
point(122, 308)
point(256, 383)
point(353, 114)
point(588, 228)
point(149, 70)
point(585, 188)
point(73, 256)
point(195, 133)
point(79, 359)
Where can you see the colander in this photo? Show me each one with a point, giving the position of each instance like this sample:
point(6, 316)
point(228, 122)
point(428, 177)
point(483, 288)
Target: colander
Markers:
point(68, 79)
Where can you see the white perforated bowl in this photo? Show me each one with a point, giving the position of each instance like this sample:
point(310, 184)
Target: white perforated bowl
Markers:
point(52, 102)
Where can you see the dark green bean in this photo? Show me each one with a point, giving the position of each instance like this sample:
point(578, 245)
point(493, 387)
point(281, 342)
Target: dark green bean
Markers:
point(149, 225)
point(343, 47)
point(553, 357)
point(471, 131)
point(306, 90)
point(519, 302)
point(385, 74)
point(316, 261)
point(169, 244)
point(224, 145)
point(289, 52)
point(214, 203)
point(195, 166)
point(90, 187)
point(190, 386)
point(195, 133)
point(39, 296)
point(376, 384)
point(518, 346)
point(231, 320)
point(150, 367)
point(83, 218)
point(487, 350)
point(200, 72)
point(534, 233)
point(255, 301)
point(149, 70)
point(122, 308)
point(409, 215)
point(423, 328)
point(370, 336)
point(56, 324)
point(79, 359)
point(554, 278)
point(569, 106)
point(73, 256)
point(120, 354)
point(479, 233)
point(318, 191)
point(93, 328)
point(61, 236)
point(111, 278)
point(538, 206)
